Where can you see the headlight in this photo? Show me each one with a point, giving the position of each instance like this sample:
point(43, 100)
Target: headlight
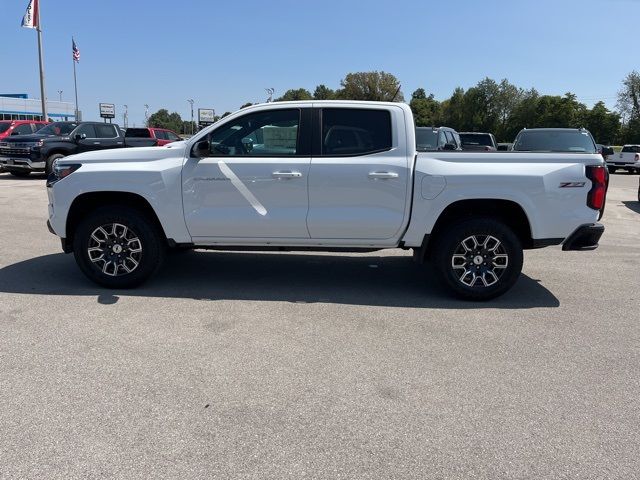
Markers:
point(58, 171)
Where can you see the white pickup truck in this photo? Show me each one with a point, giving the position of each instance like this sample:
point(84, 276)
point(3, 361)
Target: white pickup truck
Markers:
point(628, 158)
point(324, 176)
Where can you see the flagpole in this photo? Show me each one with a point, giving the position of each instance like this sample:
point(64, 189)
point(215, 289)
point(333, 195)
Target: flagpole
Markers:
point(42, 92)
point(75, 82)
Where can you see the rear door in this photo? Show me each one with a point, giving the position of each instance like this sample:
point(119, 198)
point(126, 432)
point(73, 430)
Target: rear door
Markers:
point(253, 183)
point(108, 136)
point(360, 173)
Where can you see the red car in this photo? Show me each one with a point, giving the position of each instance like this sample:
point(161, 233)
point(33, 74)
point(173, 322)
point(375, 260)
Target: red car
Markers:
point(20, 127)
point(163, 135)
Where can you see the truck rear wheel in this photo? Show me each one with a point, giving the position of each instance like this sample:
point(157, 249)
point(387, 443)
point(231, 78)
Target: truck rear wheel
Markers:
point(118, 247)
point(478, 259)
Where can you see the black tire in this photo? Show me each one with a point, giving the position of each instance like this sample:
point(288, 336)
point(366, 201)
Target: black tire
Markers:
point(20, 173)
point(611, 169)
point(472, 279)
point(117, 275)
point(49, 164)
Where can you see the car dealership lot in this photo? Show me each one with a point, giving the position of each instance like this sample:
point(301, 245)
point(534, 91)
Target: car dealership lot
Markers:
point(266, 365)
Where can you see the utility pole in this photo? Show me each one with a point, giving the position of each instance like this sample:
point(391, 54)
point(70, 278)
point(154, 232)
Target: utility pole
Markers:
point(60, 94)
point(125, 117)
point(146, 114)
point(43, 95)
point(191, 103)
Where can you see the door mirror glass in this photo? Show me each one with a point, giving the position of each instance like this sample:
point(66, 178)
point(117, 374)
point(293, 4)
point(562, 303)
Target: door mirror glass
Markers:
point(201, 149)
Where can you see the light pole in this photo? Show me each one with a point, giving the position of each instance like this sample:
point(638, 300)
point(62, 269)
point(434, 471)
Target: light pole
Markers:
point(60, 93)
point(270, 92)
point(125, 116)
point(146, 114)
point(191, 103)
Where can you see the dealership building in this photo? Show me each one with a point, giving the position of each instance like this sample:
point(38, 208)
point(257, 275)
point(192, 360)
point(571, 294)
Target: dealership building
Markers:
point(18, 106)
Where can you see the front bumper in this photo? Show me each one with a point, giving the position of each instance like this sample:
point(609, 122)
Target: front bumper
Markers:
point(585, 237)
point(21, 163)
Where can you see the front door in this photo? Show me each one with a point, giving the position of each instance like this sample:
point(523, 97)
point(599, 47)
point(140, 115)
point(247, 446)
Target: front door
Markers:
point(253, 183)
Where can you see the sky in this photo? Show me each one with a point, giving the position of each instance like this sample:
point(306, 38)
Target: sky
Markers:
point(225, 53)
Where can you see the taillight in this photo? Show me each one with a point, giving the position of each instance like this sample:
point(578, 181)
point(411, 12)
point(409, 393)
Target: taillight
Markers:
point(637, 157)
point(597, 196)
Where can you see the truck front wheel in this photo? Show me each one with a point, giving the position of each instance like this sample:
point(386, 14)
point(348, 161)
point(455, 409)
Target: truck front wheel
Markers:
point(118, 247)
point(478, 259)
point(48, 166)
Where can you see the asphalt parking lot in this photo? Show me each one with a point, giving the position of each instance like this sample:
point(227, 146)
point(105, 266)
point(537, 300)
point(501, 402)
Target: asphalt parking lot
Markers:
point(230, 365)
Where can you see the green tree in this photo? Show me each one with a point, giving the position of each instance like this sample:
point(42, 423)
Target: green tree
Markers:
point(426, 110)
point(295, 94)
point(163, 119)
point(375, 86)
point(452, 110)
point(245, 105)
point(603, 124)
point(629, 96)
point(322, 92)
point(225, 114)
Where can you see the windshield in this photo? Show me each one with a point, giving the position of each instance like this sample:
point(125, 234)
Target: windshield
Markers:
point(625, 149)
point(4, 126)
point(58, 129)
point(483, 139)
point(568, 141)
point(426, 139)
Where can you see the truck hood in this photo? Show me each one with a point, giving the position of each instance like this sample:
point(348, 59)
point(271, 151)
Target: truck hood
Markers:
point(137, 154)
point(34, 137)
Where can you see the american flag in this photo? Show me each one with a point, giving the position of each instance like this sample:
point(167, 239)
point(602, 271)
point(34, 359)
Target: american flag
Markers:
point(76, 52)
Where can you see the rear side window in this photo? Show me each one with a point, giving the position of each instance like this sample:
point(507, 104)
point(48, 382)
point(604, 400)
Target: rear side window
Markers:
point(137, 133)
point(106, 131)
point(87, 130)
point(631, 149)
point(351, 131)
point(160, 134)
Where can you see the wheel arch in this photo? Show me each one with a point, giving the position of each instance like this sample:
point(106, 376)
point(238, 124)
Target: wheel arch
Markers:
point(509, 212)
point(85, 203)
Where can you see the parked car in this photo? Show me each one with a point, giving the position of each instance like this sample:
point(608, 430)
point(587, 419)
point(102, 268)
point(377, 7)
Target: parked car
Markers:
point(19, 127)
point(478, 142)
point(470, 213)
point(557, 140)
point(163, 135)
point(628, 158)
point(604, 150)
point(433, 139)
point(22, 154)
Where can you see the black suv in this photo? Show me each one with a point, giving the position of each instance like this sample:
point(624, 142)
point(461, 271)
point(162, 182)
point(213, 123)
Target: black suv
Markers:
point(433, 139)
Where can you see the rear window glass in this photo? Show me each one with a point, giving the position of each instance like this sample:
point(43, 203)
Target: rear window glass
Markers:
point(355, 131)
point(475, 139)
point(426, 139)
point(138, 133)
point(631, 149)
point(568, 141)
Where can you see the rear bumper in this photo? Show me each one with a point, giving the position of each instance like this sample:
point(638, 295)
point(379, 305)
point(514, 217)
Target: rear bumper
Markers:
point(585, 237)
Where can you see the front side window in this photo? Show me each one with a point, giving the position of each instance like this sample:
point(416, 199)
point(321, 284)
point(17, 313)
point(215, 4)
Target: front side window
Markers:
point(105, 131)
point(160, 134)
point(442, 139)
point(87, 130)
point(426, 139)
point(271, 133)
point(172, 136)
point(355, 131)
point(4, 126)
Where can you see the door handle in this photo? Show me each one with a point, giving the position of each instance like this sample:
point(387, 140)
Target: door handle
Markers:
point(382, 175)
point(286, 174)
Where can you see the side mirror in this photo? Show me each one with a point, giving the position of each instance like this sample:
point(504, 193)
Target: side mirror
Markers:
point(201, 149)
point(80, 136)
point(606, 151)
point(449, 146)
